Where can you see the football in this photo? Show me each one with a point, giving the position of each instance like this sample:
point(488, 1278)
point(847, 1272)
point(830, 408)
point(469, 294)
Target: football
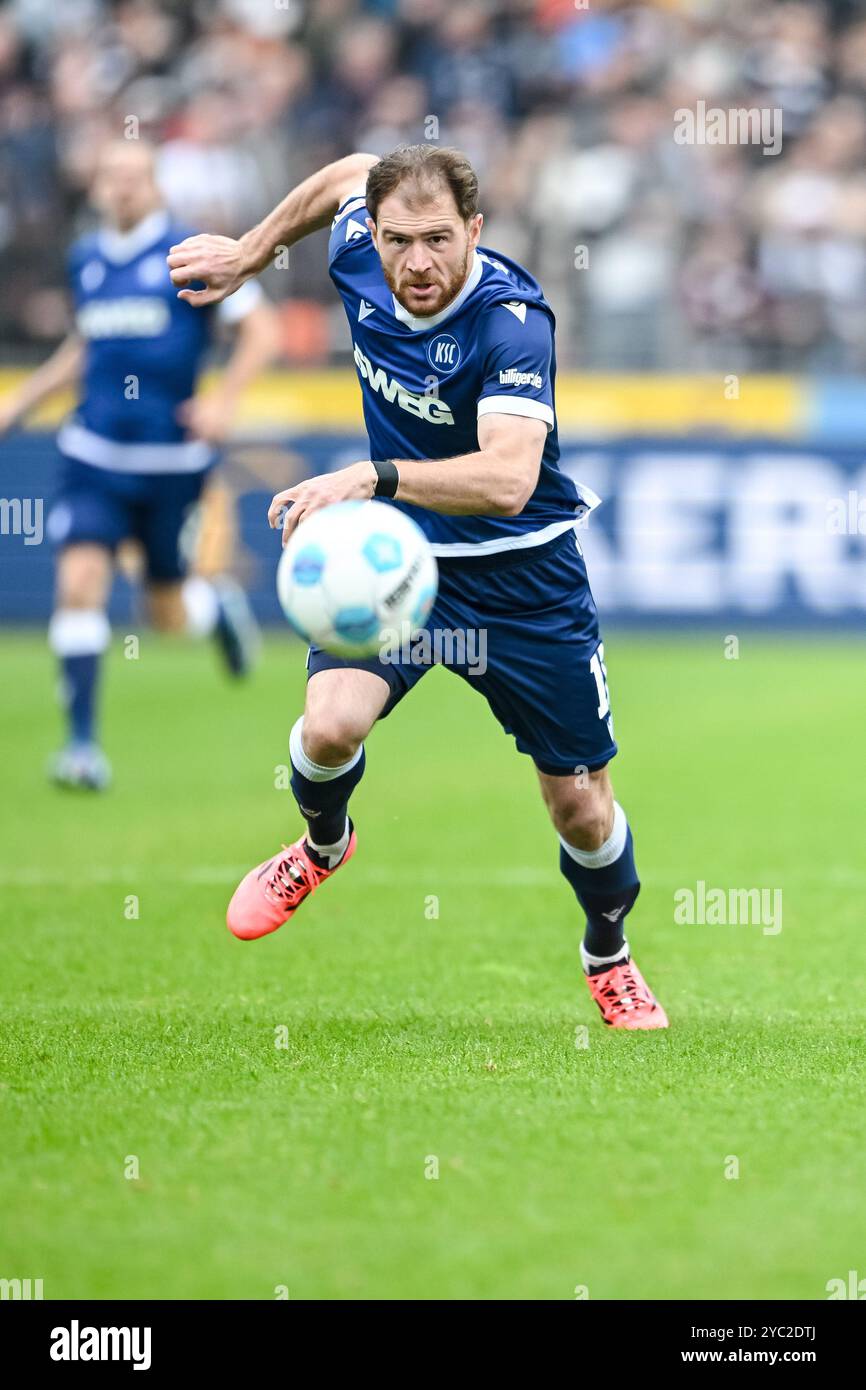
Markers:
point(356, 578)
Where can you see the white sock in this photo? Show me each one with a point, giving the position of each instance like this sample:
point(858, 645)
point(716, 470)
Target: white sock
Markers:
point(315, 772)
point(589, 960)
point(332, 853)
point(78, 631)
point(200, 604)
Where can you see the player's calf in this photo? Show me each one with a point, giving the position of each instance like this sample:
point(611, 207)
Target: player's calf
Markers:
point(597, 859)
point(322, 792)
point(606, 884)
point(596, 856)
point(326, 747)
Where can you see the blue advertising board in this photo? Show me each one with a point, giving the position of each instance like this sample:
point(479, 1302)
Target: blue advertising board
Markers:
point(695, 530)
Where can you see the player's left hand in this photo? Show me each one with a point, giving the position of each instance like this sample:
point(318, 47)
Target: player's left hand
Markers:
point(288, 509)
point(207, 417)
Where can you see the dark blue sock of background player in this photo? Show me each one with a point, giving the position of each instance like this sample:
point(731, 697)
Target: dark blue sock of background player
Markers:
point(80, 681)
point(78, 637)
point(322, 793)
point(606, 884)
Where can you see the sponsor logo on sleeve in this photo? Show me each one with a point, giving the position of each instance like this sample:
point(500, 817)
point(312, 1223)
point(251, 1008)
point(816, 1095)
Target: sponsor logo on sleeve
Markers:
point(512, 377)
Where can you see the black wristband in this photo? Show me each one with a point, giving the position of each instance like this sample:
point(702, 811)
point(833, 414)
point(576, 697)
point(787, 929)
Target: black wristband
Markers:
point(387, 477)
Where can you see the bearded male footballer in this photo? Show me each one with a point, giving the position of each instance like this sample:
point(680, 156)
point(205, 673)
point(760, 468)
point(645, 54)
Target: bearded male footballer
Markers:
point(474, 461)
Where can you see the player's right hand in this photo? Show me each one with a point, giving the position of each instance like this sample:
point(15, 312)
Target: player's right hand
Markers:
point(217, 260)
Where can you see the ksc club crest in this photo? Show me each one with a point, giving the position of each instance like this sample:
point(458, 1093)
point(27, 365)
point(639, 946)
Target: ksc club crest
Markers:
point(443, 353)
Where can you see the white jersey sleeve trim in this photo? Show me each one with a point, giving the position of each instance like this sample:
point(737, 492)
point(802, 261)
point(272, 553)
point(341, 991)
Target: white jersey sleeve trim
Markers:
point(250, 295)
point(516, 405)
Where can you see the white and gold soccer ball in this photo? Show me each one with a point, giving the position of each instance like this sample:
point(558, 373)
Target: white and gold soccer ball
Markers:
point(355, 576)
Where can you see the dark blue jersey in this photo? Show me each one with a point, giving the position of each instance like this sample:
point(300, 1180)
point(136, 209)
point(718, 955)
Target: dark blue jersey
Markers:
point(426, 381)
point(144, 349)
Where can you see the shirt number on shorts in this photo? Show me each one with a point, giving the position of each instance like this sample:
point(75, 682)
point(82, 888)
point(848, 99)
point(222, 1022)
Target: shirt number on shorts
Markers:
point(599, 671)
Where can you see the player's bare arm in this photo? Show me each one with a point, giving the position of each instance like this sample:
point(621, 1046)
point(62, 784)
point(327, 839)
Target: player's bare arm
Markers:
point(60, 371)
point(497, 480)
point(223, 264)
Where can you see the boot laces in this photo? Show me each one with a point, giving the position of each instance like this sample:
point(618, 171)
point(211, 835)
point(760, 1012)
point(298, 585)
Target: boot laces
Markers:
point(627, 995)
point(293, 876)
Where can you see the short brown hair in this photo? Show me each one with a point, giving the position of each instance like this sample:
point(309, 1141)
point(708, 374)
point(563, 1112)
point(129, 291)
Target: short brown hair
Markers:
point(427, 167)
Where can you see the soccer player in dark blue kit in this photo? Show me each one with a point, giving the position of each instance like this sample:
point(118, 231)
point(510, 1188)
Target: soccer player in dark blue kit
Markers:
point(137, 452)
point(454, 348)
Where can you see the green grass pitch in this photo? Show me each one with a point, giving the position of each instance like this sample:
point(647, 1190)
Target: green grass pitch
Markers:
point(412, 1040)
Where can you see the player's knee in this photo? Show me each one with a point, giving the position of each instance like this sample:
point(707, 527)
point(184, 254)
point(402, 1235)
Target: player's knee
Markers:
point(584, 821)
point(166, 607)
point(82, 579)
point(331, 737)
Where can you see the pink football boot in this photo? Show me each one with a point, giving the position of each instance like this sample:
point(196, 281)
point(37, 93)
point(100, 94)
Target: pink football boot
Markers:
point(272, 892)
point(625, 998)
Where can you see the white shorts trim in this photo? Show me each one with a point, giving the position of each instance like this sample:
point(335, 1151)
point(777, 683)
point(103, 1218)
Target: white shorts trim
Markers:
point(589, 501)
point(83, 444)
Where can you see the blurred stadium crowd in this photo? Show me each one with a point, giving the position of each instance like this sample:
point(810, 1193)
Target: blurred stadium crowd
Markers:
point(696, 256)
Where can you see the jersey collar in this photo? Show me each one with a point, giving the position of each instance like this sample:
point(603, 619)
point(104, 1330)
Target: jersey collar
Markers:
point(420, 325)
point(121, 247)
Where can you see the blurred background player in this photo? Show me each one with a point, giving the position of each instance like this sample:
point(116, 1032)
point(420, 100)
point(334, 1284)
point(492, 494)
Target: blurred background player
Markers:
point(138, 450)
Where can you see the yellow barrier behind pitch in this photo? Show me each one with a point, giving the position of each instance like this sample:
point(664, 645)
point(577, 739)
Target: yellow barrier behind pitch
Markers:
point(589, 406)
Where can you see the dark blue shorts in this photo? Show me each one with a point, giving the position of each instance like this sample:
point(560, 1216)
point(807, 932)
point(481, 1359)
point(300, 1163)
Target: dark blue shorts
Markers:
point(97, 504)
point(535, 655)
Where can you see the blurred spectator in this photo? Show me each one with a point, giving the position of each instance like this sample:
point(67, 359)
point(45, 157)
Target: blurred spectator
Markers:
point(655, 254)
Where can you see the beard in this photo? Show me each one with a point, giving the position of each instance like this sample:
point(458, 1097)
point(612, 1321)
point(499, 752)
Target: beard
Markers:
point(434, 303)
